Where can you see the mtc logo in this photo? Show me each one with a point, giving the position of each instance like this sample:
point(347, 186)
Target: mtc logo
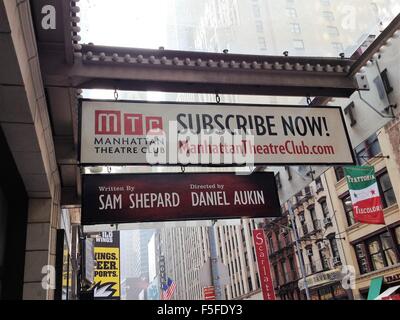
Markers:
point(110, 122)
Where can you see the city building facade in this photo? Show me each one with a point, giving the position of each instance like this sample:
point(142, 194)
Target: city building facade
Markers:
point(282, 251)
point(372, 119)
point(39, 137)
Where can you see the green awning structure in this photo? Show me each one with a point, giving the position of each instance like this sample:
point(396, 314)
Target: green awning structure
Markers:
point(375, 288)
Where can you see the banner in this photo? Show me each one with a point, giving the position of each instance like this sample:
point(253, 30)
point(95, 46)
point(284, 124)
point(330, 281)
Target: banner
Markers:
point(107, 273)
point(121, 132)
point(264, 268)
point(209, 293)
point(364, 193)
point(128, 198)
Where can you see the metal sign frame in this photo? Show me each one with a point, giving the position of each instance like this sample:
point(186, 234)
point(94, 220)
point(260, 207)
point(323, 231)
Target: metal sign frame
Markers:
point(217, 105)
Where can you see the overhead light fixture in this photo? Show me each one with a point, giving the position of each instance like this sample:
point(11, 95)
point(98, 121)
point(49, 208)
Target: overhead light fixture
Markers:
point(383, 48)
point(389, 42)
point(396, 34)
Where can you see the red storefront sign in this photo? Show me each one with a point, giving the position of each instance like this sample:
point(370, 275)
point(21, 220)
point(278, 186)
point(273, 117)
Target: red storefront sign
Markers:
point(264, 267)
point(209, 293)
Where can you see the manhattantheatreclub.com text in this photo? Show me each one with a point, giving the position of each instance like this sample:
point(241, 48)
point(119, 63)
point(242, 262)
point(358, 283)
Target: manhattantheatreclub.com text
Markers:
point(205, 148)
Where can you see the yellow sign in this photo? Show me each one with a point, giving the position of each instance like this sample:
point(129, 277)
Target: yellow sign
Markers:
point(107, 273)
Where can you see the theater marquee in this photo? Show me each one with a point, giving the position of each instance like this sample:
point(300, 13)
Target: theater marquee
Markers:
point(122, 132)
point(129, 198)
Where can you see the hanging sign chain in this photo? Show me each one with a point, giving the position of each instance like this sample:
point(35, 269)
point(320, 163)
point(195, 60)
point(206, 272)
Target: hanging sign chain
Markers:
point(309, 100)
point(115, 94)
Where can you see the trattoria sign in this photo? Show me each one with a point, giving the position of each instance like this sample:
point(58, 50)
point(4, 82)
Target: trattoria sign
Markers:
point(128, 198)
point(120, 132)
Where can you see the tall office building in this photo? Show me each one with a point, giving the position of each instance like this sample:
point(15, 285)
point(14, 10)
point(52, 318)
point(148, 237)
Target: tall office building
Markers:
point(186, 250)
point(127, 261)
point(140, 241)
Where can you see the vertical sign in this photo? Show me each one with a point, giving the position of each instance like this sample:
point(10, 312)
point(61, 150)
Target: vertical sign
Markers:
point(163, 277)
point(107, 273)
point(264, 268)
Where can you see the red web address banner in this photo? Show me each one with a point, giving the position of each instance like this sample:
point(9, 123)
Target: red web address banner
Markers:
point(246, 147)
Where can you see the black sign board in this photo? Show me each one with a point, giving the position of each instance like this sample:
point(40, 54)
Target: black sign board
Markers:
point(129, 198)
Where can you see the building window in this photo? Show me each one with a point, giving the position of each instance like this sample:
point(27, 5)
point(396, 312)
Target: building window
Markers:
point(375, 253)
point(298, 44)
point(250, 284)
point(311, 266)
point(319, 185)
point(292, 269)
point(261, 43)
point(271, 244)
point(328, 15)
point(278, 243)
point(291, 12)
point(348, 209)
point(246, 259)
point(284, 271)
point(337, 47)
point(381, 251)
point(259, 26)
point(332, 31)
point(367, 149)
point(361, 258)
point(308, 191)
point(339, 172)
point(325, 210)
point(386, 190)
point(303, 223)
point(287, 238)
point(295, 28)
point(256, 11)
point(298, 196)
point(397, 236)
point(276, 275)
point(314, 219)
point(334, 246)
point(324, 260)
